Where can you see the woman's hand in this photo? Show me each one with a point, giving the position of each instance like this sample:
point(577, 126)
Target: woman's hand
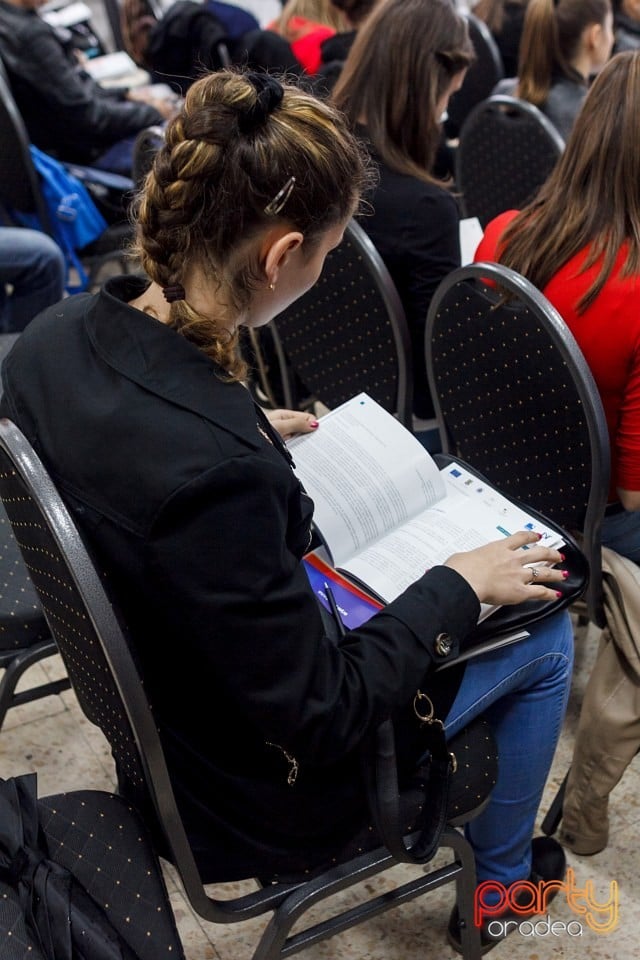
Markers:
point(500, 572)
point(290, 422)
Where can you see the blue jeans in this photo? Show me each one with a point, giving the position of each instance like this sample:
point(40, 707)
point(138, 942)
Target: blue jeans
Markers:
point(621, 532)
point(33, 264)
point(522, 690)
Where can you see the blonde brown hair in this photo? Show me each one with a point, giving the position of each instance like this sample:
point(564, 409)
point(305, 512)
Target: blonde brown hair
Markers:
point(551, 37)
point(400, 65)
point(592, 198)
point(318, 11)
point(240, 142)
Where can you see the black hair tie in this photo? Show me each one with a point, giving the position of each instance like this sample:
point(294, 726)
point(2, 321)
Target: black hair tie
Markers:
point(269, 94)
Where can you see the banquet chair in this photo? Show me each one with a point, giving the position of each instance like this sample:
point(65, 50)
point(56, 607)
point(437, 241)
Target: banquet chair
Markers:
point(97, 881)
point(25, 638)
point(111, 694)
point(515, 399)
point(507, 149)
point(347, 334)
point(21, 190)
point(480, 79)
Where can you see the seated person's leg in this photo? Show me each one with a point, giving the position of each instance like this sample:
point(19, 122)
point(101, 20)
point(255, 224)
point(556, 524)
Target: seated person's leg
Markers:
point(34, 266)
point(522, 689)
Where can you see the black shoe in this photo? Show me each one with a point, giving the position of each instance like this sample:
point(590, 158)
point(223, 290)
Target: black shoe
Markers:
point(548, 862)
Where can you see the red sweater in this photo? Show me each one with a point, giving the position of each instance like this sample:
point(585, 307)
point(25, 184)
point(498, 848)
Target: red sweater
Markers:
point(608, 333)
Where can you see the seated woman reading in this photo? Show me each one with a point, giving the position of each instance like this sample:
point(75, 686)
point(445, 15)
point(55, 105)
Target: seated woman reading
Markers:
point(185, 493)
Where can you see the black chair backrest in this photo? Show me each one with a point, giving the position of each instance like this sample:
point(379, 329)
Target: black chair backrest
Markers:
point(19, 182)
point(348, 333)
point(111, 694)
point(514, 397)
point(480, 79)
point(145, 147)
point(507, 149)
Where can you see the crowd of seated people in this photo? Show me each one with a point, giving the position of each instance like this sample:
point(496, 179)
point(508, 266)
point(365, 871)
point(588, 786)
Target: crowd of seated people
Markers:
point(66, 112)
point(203, 551)
point(586, 262)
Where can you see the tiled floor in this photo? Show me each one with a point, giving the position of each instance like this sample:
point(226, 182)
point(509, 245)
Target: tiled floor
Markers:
point(53, 738)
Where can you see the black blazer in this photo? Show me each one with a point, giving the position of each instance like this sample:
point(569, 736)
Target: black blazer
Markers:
point(199, 524)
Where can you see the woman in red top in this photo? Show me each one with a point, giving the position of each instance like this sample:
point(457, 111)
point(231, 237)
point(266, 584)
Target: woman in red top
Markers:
point(579, 242)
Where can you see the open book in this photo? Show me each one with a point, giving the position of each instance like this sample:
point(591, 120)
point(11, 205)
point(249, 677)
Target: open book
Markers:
point(385, 511)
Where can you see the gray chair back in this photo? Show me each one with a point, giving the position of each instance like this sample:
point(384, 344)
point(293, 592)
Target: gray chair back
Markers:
point(514, 397)
point(506, 151)
point(347, 334)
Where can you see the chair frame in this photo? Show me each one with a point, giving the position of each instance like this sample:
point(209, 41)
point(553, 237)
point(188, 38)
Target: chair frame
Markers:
point(386, 289)
point(285, 901)
point(507, 103)
point(564, 341)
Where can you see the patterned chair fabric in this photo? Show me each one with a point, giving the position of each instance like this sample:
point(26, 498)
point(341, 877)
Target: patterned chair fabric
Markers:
point(507, 150)
point(515, 398)
point(348, 333)
point(79, 868)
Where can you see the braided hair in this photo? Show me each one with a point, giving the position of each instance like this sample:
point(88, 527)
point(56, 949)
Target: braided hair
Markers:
point(245, 151)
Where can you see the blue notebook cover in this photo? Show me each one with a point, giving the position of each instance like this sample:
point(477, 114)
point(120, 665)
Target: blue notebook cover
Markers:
point(355, 606)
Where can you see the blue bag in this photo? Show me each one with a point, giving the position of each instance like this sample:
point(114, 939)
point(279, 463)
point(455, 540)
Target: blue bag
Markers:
point(75, 219)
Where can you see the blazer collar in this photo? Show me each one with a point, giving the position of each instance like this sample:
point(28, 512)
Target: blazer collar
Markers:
point(162, 361)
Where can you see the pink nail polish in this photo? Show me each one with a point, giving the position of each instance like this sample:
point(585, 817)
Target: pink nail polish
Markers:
point(558, 594)
point(565, 574)
point(562, 557)
point(313, 424)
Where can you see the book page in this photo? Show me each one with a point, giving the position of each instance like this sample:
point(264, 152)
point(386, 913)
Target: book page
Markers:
point(471, 515)
point(366, 475)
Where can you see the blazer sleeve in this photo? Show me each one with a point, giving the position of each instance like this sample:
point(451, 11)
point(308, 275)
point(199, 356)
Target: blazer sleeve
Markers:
point(227, 578)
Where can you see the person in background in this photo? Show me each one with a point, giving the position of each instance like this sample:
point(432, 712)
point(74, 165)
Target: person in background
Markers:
point(395, 104)
point(334, 50)
point(306, 24)
point(200, 524)
point(564, 43)
point(626, 24)
point(587, 263)
point(505, 19)
point(66, 113)
point(32, 272)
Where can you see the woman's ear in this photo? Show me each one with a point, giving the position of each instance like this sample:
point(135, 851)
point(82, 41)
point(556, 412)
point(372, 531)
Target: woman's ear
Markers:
point(278, 251)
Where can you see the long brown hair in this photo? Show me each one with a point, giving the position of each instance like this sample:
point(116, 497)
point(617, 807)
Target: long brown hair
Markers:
point(400, 65)
point(551, 37)
point(592, 198)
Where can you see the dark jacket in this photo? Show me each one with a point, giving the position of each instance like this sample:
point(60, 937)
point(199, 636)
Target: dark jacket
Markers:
point(627, 33)
point(65, 111)
point(199, 524)
point(415, 226)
